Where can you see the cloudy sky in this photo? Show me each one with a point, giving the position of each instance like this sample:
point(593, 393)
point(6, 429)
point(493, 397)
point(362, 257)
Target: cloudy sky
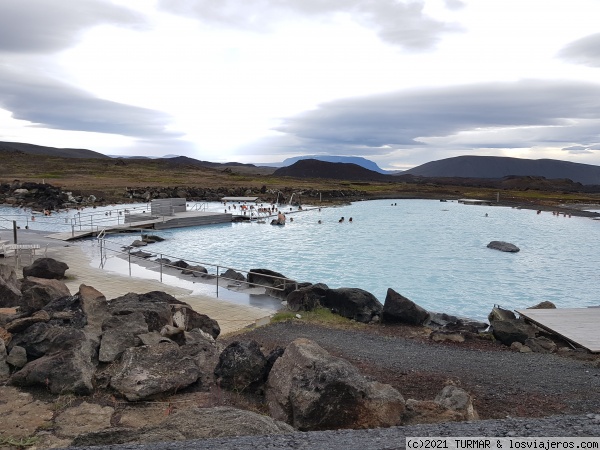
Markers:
point(399, 82)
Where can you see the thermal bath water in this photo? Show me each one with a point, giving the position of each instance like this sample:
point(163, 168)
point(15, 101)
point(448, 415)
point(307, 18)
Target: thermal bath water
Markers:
point(432, 252)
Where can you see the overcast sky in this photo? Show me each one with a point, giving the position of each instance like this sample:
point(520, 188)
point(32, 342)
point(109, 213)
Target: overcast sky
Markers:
point(398, 82)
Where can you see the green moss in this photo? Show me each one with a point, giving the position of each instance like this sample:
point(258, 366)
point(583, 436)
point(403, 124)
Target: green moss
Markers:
point(322, 316)
point(18, 442)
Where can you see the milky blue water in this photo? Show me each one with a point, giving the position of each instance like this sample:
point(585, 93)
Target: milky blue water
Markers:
point(429, 251)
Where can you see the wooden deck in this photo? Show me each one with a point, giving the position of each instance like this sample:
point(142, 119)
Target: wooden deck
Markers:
point(577, 325)
point(177, 220)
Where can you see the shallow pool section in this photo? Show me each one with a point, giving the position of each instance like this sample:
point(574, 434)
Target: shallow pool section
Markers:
point(429, 251)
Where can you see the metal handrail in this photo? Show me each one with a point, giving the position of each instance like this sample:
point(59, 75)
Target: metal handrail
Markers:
point(104, 249)
point(81, 220)
point(199, 206)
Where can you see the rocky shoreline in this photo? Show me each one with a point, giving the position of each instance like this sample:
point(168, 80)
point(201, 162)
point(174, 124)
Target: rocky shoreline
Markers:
point(41, 196)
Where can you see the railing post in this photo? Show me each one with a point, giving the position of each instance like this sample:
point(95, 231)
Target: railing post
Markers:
point(217, 281)
point(161, 264)
point(129, 258)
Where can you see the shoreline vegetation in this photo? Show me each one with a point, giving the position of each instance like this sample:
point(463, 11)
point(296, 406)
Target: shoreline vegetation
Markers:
point(51, 181)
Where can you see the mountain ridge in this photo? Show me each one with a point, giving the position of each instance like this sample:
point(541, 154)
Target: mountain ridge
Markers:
point(358, 160)
point(466, 166)
point(469, 166)
point(33, 149)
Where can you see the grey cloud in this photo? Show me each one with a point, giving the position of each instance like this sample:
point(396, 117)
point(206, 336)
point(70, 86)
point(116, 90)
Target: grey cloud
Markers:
point(498, 115)
point(581, 149)
point(49, 26)
point(51, 104)
point(584, 51)
point(577, 150)
point(398, 23)
point(454, 4)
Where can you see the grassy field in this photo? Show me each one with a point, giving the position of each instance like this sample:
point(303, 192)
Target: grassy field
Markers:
point(109, 178)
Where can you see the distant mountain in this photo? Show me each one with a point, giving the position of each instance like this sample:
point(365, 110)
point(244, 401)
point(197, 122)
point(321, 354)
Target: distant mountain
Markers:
point(51, 151)
point(312, 168)
point(499, 167)
point(197, 162)
point(363, 162)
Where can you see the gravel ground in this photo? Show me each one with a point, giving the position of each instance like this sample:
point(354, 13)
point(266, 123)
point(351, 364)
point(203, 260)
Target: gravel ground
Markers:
point(502, 382)
point(390, 438)
point(504, 377)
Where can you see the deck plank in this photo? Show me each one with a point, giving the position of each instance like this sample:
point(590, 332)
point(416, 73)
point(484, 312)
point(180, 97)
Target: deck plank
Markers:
point(578, 325)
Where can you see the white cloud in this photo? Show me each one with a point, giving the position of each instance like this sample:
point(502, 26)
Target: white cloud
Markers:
point(402, 82)
point(584, 51)
point(44, 26)
point(396, 22)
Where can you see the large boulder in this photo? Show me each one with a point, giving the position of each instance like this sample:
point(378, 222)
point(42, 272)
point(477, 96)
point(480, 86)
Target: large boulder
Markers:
point(498, 313)
point(353, 303)
point(153, 305)
point(43, 338)
point(313, 390)
point(19, 325)
point(546, 304)
point(202, 349)
point(95, 307)
point(62, 370)
point(452, 404)
point(120, 333)
point(399, 309)
point(180, 264)
point(150, 370)
point(196, 271)
point(242, 367)
point(46, 268)
point(503, 246)
point(265, 277)
point(4, 368)
point(512, 330)
point(449, 323)
point(10, 287)
point(66, 311)
point(17, 357)
point(541, 344)
point(152, 238)
point(306, 298)
point(457, 399)
point(194, 423)
point(38, 292)
point(186, 318)
point(232, 275)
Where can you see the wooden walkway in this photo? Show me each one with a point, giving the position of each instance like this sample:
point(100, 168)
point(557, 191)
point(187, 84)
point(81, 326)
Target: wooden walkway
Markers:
point(177, 220)
point(580, 326)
